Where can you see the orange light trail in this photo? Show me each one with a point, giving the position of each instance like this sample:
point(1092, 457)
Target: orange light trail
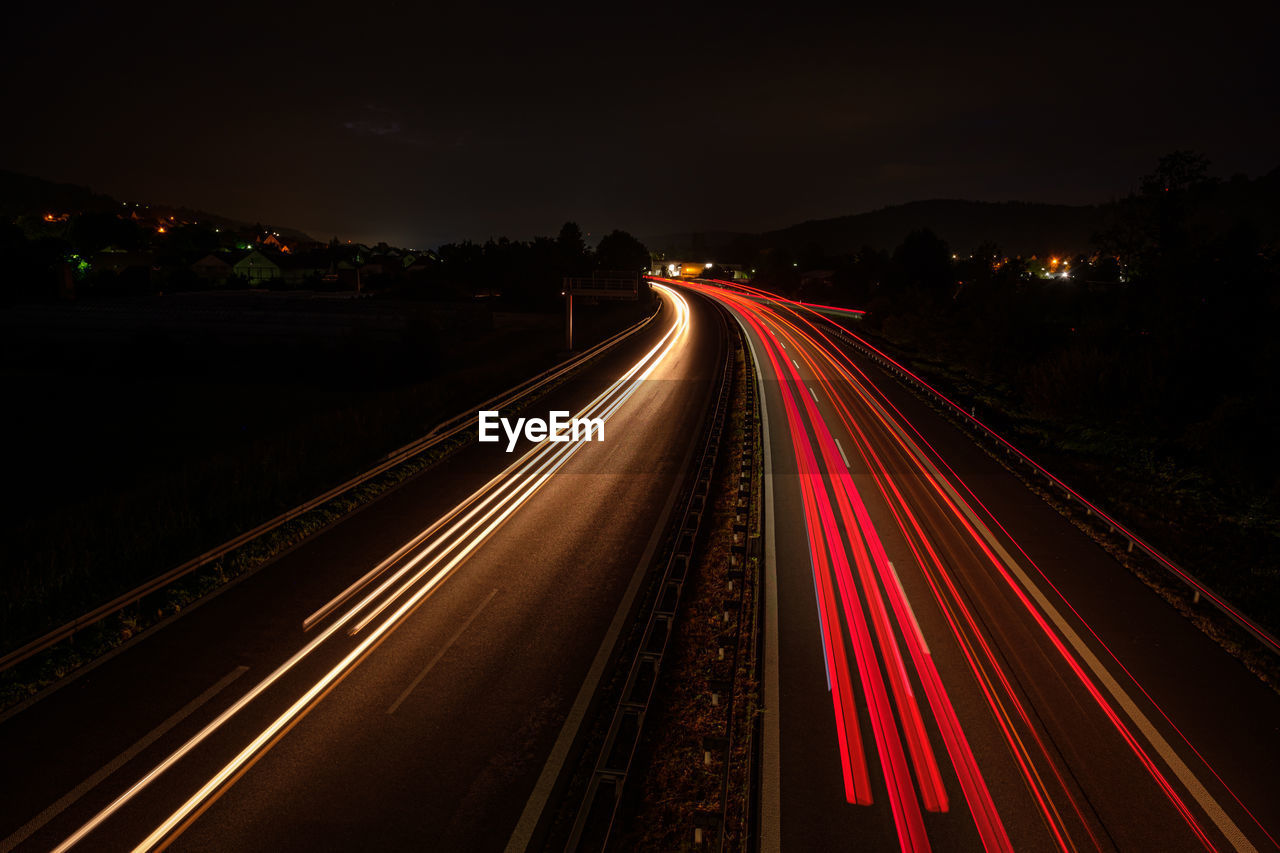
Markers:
point(490, 507)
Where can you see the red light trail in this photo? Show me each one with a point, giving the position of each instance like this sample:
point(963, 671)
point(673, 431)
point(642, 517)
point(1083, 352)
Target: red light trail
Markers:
point(863, 606)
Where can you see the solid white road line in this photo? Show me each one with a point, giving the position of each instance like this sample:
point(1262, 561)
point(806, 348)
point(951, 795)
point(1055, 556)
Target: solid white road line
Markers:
point(116, 763)
point(443, 651)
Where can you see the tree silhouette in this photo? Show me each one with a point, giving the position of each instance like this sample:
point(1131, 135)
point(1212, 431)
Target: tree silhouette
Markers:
point(572, 250)
point(924, 261)
point(618, 250)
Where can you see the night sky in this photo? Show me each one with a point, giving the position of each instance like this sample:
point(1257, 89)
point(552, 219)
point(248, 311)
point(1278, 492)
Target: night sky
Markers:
point(419, 124)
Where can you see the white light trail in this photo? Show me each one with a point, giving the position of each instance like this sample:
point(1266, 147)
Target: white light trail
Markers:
point(510, 489)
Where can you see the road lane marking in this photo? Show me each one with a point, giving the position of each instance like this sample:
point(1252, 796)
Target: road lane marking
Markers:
point(841, 449)
point(815, 399)
point(910, 610)
point(1190, 781)
point(69, 798)
point(443, 651)
point(793, 361)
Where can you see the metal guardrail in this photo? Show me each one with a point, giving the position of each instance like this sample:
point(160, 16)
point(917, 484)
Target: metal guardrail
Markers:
point(595, 817)
point(1198, 587)
point(442, 432)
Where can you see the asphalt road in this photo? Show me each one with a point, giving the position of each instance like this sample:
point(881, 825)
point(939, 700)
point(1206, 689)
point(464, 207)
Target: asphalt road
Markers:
point(234, 728)
point(1047, 700)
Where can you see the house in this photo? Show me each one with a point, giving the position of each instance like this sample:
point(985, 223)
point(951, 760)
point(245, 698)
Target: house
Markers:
point(418, 261)
point(273, 241)
point(342, 275)
point(212, 268)
point(256, 267)
point(419, 267)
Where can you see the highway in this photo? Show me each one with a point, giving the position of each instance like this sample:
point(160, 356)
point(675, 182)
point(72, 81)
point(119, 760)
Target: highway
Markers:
point(950, 664)
point(401, 680)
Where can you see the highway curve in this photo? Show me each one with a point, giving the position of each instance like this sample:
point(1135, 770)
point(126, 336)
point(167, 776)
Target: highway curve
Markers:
point(952, 665)
point(244, 726)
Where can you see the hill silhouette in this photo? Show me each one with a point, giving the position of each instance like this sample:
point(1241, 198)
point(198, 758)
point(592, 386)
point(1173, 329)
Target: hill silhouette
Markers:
point(1017, 227)
point(1020, 228)
point(26, 195)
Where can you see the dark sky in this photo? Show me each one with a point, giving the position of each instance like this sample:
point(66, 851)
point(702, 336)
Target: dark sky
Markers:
point(420, 123)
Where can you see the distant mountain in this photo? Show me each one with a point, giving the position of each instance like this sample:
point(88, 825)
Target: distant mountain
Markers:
point(24, 195)
point(1019, 228)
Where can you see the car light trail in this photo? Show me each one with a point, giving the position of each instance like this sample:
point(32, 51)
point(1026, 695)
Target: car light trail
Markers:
point(861, 533)
point(976, 793)
point(903, 802)
point(477, 518)
point(782, 324)
point(845, 362)
point(1228, 828)
point(1224, 823)
point(872, 562)
point(1236, 615)
point(1029, 771)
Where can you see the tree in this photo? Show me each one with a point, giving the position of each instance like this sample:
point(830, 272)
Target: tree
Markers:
point(924, 260)
point(1177, 172)
point(572, 250)
point(620, 251)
